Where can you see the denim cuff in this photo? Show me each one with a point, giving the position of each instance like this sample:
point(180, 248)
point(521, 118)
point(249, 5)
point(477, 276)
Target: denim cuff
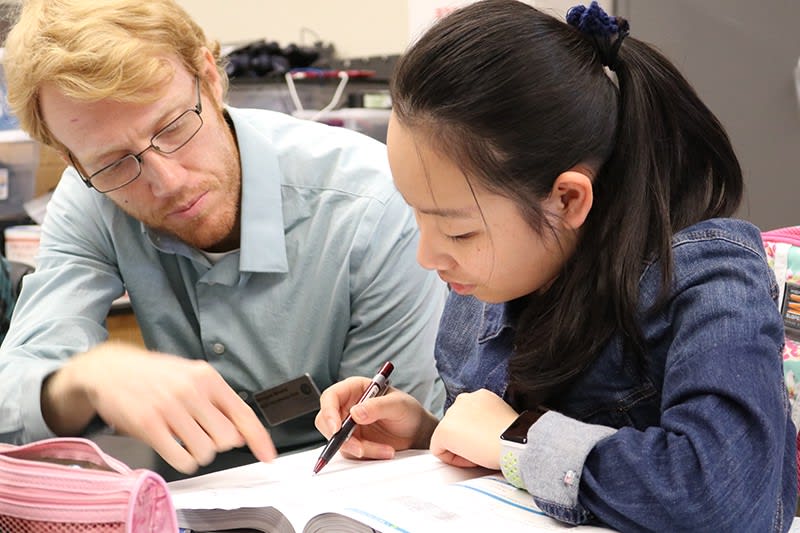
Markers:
point(552, 462)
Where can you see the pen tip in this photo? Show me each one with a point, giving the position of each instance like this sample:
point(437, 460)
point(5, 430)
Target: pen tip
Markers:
point(320, 464)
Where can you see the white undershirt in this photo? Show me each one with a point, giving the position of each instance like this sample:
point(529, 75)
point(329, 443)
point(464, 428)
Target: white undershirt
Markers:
point(216, 257)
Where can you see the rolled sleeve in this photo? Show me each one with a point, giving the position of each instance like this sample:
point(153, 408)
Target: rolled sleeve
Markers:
point(552, 462)
point(24, 422)
point(31, 406)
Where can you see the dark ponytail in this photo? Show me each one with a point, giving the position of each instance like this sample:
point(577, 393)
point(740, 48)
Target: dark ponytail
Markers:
point(519, 97)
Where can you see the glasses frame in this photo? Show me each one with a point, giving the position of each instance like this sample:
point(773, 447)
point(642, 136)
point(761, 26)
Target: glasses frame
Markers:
point(87, 180)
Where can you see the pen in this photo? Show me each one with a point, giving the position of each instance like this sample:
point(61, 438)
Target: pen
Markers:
point(376, 388)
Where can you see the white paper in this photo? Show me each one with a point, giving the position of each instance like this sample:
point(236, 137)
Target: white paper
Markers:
point(413, 492)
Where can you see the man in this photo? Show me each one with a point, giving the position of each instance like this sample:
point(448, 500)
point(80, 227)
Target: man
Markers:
point(254, 247)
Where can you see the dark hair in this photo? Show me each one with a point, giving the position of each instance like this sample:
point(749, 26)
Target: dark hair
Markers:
point(518, 97)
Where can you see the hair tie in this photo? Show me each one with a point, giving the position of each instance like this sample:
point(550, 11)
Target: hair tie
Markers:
point(593, 22)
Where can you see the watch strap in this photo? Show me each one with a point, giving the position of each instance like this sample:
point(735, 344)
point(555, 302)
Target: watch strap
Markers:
point(509, 463)
point(511, 451)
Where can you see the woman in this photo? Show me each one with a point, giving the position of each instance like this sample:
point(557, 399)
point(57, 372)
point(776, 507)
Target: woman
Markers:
point(573, 190)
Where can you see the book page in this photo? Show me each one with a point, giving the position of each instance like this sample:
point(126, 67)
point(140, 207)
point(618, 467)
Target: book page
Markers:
point(487, 503)
point(288, 485)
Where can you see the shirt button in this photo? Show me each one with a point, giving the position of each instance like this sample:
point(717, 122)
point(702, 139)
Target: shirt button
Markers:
point(218, 348)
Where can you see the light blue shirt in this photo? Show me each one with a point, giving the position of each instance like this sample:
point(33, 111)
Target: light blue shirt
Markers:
point(326, 281)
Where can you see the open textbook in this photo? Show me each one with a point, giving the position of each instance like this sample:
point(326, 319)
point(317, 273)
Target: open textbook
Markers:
point(415, 492)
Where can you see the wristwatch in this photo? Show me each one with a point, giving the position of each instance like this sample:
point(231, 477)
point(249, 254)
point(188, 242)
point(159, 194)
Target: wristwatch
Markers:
point(513, 441)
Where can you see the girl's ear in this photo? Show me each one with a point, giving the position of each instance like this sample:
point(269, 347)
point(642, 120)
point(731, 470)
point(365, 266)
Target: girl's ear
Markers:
point(571, 198)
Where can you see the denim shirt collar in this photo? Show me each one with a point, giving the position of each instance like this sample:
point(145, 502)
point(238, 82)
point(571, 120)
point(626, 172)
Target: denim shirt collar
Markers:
point(496, 318)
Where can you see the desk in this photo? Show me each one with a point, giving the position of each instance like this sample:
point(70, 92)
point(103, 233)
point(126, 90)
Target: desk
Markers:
point(137, 454)
point(122, 326)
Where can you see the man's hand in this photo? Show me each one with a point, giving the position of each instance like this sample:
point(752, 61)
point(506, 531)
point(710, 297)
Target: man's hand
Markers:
point(181, 408)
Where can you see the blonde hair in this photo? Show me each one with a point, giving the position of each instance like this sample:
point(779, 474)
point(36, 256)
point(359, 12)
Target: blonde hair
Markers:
point(92, 50)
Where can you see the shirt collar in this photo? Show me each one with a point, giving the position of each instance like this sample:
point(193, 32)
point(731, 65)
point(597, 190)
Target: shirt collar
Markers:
point(495, 318)
point(263, 246)
point(262, 241)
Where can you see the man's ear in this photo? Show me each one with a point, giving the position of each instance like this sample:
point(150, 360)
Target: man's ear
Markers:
point(211, 76)
point(571, 198)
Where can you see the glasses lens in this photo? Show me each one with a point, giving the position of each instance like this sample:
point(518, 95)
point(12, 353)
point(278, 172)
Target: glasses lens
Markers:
point(120, 173)
point(178, 132)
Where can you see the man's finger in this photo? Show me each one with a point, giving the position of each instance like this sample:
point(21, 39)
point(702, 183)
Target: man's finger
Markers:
point(165, 445)
point(248, 424)
point(193, 437)
point(217, 426)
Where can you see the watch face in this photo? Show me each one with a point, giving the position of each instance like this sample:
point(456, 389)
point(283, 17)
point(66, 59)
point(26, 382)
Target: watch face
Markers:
point(518, 430)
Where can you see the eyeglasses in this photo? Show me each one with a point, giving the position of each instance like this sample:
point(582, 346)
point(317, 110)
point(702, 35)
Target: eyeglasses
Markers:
point(167, 140)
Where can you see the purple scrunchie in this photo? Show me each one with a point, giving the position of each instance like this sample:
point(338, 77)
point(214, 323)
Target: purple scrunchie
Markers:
point(595, 23)
point(592, 20)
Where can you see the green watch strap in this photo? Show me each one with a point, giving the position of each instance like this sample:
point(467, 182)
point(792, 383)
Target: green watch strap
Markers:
point(509, 465)
point(513, 441)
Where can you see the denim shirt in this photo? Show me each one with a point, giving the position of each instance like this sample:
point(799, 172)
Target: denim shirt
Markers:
point(701, 441)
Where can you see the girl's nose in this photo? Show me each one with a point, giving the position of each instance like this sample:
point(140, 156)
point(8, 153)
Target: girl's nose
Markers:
point(429, 255)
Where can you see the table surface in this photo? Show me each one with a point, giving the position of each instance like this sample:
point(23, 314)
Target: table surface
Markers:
point(137, 454)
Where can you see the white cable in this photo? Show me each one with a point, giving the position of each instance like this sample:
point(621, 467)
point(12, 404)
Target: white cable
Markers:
point(343, 78)
point(298, 105)
point(337, 95)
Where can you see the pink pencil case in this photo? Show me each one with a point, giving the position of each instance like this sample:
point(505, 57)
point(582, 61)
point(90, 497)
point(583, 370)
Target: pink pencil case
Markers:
point(69, 485)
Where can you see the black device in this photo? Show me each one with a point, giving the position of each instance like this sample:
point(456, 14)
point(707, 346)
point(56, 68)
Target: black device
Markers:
point(517, 432)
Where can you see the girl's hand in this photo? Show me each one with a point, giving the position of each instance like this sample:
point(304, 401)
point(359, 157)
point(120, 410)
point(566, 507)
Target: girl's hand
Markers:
point(394, 421)
point(469, 433)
